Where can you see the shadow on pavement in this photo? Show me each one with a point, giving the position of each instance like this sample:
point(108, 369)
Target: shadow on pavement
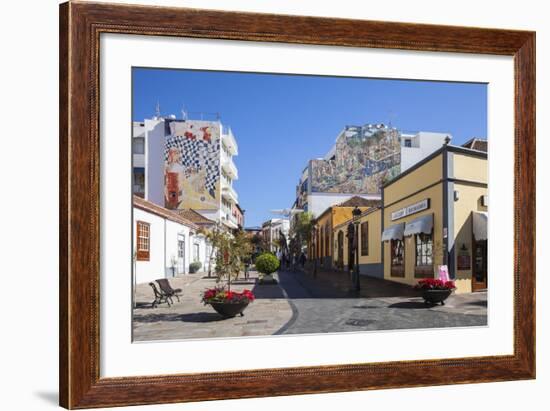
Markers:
point(410, 305)
point(478, 303)
point(201, 317)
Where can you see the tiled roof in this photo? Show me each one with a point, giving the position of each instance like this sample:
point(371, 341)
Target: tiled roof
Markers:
point(162, 212)
point(476, 144)
point(194, 216)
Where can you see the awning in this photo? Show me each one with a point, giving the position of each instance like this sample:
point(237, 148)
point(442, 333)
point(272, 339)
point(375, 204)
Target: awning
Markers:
point(419, 225)
point(393, 232)
point(479, 223)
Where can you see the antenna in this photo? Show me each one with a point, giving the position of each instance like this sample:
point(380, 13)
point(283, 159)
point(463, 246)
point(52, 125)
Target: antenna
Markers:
point(391, 116)
point(157, 109)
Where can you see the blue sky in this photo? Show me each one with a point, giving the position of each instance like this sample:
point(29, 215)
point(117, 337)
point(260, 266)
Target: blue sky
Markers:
point(282, 121)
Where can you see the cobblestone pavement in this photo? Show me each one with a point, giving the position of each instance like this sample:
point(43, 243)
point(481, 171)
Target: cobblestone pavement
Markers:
point(189, 318)
point(302, 304)
point(380, 305)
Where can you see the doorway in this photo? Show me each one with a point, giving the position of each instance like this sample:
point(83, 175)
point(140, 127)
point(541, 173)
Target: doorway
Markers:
point(181, 254)
point(479, 275)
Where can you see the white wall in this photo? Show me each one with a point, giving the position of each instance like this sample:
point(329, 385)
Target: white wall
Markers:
point(153, 269)
point(154, 154)
point(163, 245)
point(173, 231)
point(424, 144)
point(37, 390)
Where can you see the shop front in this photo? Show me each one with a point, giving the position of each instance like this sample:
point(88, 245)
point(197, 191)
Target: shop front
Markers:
point(435, 214)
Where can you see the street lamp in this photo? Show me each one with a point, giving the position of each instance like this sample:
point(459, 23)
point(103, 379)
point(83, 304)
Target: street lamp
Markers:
point(314, 250)
point(356, 213)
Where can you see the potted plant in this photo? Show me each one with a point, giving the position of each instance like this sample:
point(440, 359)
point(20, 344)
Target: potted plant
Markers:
point(267, 264)
point(226, 302)
point(231, 251)
point(434, 290)
point(194, 267)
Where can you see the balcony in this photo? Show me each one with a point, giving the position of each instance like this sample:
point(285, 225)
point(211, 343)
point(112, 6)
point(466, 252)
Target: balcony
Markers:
point(229, 167)
point(229, 140)
point(230, 194)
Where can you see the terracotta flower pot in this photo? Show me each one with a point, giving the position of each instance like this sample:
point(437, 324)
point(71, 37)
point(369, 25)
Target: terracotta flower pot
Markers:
point(435, 296)
point(230, 310)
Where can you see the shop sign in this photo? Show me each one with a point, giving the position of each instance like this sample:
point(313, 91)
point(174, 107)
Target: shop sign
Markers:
point(412, 209)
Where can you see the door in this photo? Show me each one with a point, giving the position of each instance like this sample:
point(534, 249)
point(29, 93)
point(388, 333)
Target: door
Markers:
point(181, 254)
point(479, 275)
point(351, 246)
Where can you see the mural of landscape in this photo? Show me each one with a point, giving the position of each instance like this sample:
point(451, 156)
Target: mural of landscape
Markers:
point(365, 158)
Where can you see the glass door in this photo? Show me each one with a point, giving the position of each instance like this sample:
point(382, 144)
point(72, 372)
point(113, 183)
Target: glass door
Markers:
point(479, 275)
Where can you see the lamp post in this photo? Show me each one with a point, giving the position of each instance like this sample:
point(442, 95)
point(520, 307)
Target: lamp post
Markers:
point(356, 213)
point(314, 251)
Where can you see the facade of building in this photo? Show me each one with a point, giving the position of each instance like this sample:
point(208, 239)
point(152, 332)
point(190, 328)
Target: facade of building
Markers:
point(436, 214)
point(238, 214)
point(361, 161)
point(370, 247)
point(148, 141)
point(320, 247)
point(187, 164)
point(165, 243)
point(275, 235)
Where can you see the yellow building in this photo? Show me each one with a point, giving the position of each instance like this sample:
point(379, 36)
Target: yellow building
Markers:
point(370, 247)
point(435, 213)
point(320, 248)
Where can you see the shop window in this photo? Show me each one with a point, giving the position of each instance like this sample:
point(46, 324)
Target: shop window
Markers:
point(143, 241)
point(365, 238)
point(424, 255)
point(397, 258)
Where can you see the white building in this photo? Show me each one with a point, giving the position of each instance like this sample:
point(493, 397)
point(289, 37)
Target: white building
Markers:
point(275, 230)
point(164, 243)
point(187, 164)
point(148, 160)
point(417, 146)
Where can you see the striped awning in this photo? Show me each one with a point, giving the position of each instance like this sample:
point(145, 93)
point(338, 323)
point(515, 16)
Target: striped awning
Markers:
point(479, 222)
point(419, 225)
point(393, 232)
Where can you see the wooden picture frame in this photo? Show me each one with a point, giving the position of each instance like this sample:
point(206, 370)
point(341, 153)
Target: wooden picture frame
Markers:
point(80, 27)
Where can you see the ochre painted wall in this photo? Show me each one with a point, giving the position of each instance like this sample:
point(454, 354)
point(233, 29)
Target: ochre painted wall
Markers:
point(435, 194)
point(333, 217)
point(374, 220)
point(470, 168)
point(469, 199)
point(427, 174)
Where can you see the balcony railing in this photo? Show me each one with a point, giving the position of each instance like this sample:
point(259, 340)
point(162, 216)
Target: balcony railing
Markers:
point(230, 193)
point(229, 167)
point(229, 140)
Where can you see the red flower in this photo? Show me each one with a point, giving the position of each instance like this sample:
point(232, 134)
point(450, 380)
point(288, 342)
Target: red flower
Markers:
point(435, 284)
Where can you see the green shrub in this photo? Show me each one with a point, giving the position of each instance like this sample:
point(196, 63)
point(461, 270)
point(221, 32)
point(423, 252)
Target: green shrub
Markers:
point(194, 267)
point(267, 263)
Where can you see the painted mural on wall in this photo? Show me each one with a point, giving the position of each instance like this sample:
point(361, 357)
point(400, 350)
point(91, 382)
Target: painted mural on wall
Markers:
point(192, 165)
point(365, 158)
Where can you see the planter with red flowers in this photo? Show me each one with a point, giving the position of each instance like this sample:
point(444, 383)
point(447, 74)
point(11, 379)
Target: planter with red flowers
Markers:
point(227, 303)
point(434, 290)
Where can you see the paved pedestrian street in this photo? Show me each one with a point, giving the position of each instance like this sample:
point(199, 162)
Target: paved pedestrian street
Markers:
point(301, 304)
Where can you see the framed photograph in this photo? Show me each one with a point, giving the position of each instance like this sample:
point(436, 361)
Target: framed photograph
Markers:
point(260, 205)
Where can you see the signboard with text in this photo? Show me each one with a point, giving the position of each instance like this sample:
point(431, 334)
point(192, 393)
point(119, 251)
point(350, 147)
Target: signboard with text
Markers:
point(411, 209)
